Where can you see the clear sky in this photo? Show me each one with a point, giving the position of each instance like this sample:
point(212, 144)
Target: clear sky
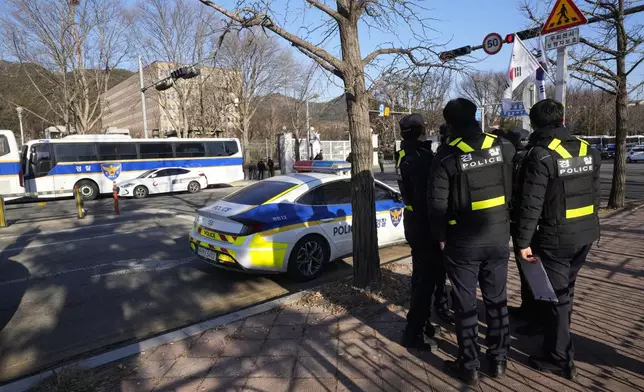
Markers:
point(456, 23)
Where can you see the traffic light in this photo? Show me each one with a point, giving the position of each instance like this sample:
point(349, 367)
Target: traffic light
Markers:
point(185, 73)
point(164, 84)
point(523, 35)
point(450, 54)
point(386, 111)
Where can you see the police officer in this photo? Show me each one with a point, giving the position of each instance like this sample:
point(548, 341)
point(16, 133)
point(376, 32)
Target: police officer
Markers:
point(469, 198)
point(413, 163)
point(557, 222)
point(529, 309)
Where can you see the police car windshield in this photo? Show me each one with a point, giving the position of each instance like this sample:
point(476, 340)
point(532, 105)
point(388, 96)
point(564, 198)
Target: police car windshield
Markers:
point(258, 193)
point(147, 173)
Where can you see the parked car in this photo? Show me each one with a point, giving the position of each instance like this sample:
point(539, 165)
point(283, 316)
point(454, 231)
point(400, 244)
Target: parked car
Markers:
point(635, 154)
point(165, 180)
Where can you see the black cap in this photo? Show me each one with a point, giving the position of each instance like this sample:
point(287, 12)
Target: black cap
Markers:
point(460, 112)
point(412, 123)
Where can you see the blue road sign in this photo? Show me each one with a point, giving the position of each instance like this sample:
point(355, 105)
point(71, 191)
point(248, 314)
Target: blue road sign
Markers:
point(478, 114)
point(381, 110)
point(516, 110)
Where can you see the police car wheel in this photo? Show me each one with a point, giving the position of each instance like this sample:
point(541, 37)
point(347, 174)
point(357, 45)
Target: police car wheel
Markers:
point(140, 192)
point(629, 160)
point(194, 187)
point(308, 258)
point(88, 189)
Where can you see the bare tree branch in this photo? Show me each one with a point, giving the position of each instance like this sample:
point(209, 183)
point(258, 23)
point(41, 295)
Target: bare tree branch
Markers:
point(327, 10)
point(258, 19)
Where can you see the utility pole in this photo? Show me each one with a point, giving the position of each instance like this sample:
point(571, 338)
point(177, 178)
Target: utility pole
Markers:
point(308, 132)
point(560, 81)
point(22, 134)
point(483, 114)
point(145, 115)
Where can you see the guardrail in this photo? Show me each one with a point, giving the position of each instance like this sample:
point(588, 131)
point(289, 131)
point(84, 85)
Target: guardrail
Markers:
point(77, 197)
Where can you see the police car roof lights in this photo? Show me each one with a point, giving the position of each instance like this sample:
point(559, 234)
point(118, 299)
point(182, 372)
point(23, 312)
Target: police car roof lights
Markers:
point(332, 167)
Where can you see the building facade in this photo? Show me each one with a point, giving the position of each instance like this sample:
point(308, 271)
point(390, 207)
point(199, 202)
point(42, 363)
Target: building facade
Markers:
point(199, 107)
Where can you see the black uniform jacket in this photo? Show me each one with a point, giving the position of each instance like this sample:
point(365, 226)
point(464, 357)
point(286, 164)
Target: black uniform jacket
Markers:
point(443, 187)
point(536, 173)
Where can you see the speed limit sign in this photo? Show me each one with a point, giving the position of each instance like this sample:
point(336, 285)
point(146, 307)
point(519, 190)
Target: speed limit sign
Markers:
point(492, 43)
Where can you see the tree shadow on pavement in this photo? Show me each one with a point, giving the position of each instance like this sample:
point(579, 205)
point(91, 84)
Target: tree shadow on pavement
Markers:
point(12, 297)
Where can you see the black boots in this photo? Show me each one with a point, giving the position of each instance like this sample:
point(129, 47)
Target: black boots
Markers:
point(547, 365)
point(497, 368)
point(468, 376)
point(418, 340)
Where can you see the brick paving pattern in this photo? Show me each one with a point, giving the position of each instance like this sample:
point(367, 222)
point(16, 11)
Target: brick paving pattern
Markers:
point(300, 349)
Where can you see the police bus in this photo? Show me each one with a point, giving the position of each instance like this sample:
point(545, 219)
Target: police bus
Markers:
point(93, 162)
point(9, 165)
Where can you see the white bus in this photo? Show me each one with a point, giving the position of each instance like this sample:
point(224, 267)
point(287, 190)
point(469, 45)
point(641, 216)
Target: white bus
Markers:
point(10, 174)
point(93, 162)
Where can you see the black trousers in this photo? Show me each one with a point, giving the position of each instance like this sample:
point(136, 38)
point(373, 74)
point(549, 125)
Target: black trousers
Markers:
point(562, 267)
point(426, 279)
point(382, 167)
point(487, 266)
point(260, 174)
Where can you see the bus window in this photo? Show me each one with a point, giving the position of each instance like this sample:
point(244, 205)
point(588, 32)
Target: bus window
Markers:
point(41, 162)
point(222, 149)
point(117, 151)
point(155, 150)
point(190, 150)
point(75, 152)
point(4, 146)
point(231, 147)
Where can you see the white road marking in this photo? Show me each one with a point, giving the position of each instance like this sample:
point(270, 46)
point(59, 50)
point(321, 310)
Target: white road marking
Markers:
point(128, 266)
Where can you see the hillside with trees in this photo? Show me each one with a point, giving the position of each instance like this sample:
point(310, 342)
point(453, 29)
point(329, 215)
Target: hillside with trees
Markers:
point(18, 90)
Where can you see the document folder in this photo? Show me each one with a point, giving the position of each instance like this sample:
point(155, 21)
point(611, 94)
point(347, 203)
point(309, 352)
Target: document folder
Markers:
point(538, 281)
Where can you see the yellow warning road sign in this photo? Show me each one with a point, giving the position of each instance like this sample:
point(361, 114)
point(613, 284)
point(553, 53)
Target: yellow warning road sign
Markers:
point(564, 15)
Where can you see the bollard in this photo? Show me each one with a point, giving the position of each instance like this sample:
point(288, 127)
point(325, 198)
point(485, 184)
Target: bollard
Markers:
point(79, 203)
point(116, 199)
point(3, 221)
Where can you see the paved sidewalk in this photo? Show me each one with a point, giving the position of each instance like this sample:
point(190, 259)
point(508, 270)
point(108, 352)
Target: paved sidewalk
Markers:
point(338, 339)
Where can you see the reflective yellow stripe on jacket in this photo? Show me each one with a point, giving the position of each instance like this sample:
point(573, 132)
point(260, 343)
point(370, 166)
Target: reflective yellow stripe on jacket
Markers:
point(401, 154)
point(555, 145)
point(488, 142)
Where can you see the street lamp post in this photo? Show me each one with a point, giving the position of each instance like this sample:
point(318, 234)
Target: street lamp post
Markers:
point(309, 151)
point(145, 115)
point(19, 110)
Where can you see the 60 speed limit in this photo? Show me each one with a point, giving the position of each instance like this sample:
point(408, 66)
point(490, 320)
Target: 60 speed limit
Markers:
point(492, 43)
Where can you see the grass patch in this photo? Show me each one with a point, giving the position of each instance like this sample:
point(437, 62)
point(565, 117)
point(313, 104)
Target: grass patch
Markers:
point(69, 380)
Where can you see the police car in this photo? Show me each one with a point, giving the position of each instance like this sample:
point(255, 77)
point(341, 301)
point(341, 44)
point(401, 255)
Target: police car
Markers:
point(163, 180)
point(293, 223)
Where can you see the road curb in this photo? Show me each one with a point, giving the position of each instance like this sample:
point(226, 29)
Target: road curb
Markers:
point(147, 344)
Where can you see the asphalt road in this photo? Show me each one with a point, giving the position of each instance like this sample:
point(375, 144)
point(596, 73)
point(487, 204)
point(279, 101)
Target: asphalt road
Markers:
point(71, 287)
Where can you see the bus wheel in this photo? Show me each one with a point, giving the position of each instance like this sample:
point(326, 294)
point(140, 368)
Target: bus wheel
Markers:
point(140, 192)
point(194, 187)
point(88, 189)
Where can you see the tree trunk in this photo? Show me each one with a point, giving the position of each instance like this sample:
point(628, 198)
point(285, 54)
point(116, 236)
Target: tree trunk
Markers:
point(245, 145)
point(296, 143)
point(618, 185)
point(366, 259)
